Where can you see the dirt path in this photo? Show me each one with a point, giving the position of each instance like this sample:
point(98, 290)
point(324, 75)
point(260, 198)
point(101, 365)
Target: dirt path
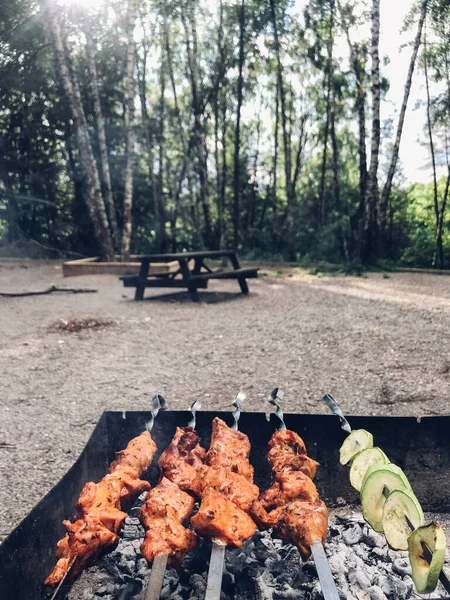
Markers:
point(379, 345)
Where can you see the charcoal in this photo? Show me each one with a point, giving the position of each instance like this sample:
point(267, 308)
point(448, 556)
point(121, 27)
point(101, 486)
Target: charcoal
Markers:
point(363, 565)
point(376, 593)
point(352, 535)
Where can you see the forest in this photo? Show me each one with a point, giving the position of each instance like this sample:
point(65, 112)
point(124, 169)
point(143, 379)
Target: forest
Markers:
point(161, 125)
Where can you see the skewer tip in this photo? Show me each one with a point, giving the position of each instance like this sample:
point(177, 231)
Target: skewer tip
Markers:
point(275, 396)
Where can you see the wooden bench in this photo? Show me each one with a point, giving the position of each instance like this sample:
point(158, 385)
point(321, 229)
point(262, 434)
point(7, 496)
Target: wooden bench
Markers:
point(185, 276)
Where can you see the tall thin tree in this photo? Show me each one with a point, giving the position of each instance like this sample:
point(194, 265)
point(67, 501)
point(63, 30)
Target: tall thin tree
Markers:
point(130, 133)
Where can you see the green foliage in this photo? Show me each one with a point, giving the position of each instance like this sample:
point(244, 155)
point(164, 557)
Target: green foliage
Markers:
point(41, 178)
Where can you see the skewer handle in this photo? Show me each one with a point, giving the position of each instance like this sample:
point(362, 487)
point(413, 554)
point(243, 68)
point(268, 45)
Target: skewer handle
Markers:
point(275, 396)
point(158, 403)
point(329, 589)
point(156, 579)
point(237, 403)
point(195, 406)
point(215, 572)
point(336, 409)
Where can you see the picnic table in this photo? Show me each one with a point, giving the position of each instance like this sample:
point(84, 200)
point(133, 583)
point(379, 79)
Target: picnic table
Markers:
point(192, 272)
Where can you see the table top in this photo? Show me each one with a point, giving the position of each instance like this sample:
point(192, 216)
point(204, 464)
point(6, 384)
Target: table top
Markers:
point(185, 255)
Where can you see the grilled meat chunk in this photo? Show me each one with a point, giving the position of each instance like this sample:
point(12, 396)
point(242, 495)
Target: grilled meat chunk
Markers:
point(86, 540)
point(287, 452)
point(233, 486)
point(292, 505)
point(99, 508)
point(229, 448)
point(182, 460)
point(220, 519)
point(289, 486)
point(302, 524)
point(165, 510)
point(137, 456)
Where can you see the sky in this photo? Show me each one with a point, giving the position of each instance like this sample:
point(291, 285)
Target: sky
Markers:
point(414, 157)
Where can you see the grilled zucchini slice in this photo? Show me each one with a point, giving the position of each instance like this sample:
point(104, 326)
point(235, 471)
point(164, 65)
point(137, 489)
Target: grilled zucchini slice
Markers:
point(359, 439)
point(425, 574)
point(379, 481)
point(401, 506)
point(361, 463)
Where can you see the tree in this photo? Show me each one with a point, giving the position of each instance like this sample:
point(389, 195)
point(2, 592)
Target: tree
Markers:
point(94, 200)
point(130, 133)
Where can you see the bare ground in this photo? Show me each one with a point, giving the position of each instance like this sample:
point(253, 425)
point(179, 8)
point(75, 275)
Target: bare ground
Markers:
point(381, 346)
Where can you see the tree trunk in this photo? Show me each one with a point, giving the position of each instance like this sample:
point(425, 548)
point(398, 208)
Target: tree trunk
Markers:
point(237, 136)
point(130, 133)
point(161, 231)
point(148, 133)
point(101, 134)
point(286, 139)
point(370, 233)
point(393, 165)
point(198, 133)
point(438, 249)
point(186, 168)
point(328, 84)
point(92, 191)
point(356, 218)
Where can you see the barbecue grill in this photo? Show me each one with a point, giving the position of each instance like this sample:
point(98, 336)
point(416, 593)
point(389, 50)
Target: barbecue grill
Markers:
point(420, 447)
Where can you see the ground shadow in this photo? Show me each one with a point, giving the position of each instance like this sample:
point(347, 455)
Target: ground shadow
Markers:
point(203, 297)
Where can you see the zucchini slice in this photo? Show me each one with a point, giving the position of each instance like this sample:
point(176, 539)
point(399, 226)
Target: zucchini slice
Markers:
point(379, 480)
point(361, 463)
point(424, 574)
point(401, 505)
point(358, 440)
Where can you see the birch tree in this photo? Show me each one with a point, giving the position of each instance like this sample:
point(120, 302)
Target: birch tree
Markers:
point(101, 135)
point(395, 151)
point(130, 133)
point(370, 231)
point(92, 190)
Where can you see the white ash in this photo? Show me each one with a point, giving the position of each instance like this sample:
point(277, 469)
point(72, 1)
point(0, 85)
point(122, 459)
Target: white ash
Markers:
point(363, 565)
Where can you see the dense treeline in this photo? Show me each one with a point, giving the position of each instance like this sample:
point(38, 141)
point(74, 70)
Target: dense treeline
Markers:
point(163, 125)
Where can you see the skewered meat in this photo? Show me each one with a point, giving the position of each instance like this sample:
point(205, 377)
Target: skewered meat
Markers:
point(228, 488)
point(165, 510)
point(229, 448)
point(87, 539)
point(292, 505)
point(287, 452)
point(302, 524)
point(221, 520)
point(235, 487)
point(182, 461)
point(99, 509)
point(287, 487)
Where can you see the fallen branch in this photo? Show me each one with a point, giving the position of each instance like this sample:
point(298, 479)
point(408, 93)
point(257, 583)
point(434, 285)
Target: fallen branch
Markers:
point(52, 288)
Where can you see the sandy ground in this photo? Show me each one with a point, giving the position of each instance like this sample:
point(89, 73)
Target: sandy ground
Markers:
point(379, 345)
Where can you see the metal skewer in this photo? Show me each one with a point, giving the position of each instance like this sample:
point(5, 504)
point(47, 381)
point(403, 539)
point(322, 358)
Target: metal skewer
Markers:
point(159, 566)
point(217, 559)
point(345, 425)
point(327, 583)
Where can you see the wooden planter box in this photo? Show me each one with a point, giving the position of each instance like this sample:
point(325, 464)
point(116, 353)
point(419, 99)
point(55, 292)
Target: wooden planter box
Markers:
point(93, 266)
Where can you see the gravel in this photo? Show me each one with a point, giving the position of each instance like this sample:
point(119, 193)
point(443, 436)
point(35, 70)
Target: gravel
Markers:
point(378, 345)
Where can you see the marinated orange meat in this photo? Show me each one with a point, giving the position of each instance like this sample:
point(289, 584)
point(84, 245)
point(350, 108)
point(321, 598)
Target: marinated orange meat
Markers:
point(99, 509)
point(227, 488)
point(182, 461)
point(235, 487)
point(287, 452)
point(292, 505)
point(165, 510)
point(229, 448)
point(221, 520)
